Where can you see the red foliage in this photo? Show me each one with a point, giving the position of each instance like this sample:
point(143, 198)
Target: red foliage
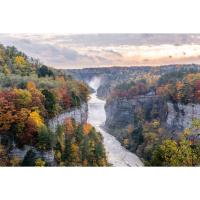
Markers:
point(7, 110)
point(66, 101)
point(197, 90)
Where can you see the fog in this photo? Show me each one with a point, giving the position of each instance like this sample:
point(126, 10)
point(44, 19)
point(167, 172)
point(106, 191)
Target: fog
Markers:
point(95, 82)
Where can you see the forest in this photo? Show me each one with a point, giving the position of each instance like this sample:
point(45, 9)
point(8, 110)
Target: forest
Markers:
point(31, 94)
point(147, 134)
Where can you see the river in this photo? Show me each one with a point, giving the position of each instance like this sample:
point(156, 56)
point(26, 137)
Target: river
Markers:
point(116, 154)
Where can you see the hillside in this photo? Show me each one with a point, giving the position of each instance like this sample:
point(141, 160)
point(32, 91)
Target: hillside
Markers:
point(158, 120)
point(31, 94)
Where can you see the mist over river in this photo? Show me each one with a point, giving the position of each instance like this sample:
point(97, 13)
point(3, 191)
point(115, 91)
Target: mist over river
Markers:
point(116, 154)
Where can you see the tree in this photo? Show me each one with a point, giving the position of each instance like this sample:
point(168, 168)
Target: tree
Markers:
point(28, 136)
point(30, 85)
point(172, 153)
point(37, 98)
point(49, 102)
point(197, 90)
point(4, 161)
point(44, 71)
point(45, 139)
point(40, 163)
point(15, 161)
point(69, 127)
point(29, 159)
point(7, 110)
point(6, 70)
point(84, 91)
point(65, 98)
point(20, 61)
point(74, 156)
point(86, 128)
point(24, 98)
point(37, 119)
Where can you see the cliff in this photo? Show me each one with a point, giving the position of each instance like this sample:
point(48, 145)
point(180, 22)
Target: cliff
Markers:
point(78, 114)
point(180, 116)
point(174, 117)
point(122, 111)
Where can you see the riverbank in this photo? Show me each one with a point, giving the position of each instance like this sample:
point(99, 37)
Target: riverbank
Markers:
point(117, 155)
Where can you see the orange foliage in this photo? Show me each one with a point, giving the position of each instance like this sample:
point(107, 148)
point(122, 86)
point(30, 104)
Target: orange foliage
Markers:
point(7, 111)
point(69, 128)
point(30, 85)
point(87, 128)
point(63, 97)
point(85, 163)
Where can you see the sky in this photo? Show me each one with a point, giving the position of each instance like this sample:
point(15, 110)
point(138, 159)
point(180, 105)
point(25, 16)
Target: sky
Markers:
point(104, 50)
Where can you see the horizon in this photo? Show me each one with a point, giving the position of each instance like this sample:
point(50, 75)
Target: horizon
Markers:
point(136, 66)
point(77, 51)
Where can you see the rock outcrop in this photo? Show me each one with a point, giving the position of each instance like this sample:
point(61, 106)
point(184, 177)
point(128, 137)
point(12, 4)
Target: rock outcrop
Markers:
point(78, 114)
point(47, 156)
point(180, 116)
point(176, 117)
point(122, 111)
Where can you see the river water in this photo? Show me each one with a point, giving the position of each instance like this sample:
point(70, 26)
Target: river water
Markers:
point(116, 154)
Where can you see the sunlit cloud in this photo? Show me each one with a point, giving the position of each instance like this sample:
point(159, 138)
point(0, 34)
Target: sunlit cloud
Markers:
point(97, 50)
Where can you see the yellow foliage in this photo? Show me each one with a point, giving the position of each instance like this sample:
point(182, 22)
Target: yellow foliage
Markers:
point(20, 61)
point(6, 70)
point(196, 123)
point(35, 116)
point(15, 161)
point(87, 128)
point(126, 142)
point(30, 85)
point(103, 162)
point(25, 97)
point(39, 162)
point(58, 156)
point(74, 148)
point(155, 123)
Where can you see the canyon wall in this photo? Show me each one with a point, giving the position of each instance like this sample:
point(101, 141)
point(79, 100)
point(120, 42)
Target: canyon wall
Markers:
point(122, 111)
point(78, 114)
point(180, 116)
point(175, 117)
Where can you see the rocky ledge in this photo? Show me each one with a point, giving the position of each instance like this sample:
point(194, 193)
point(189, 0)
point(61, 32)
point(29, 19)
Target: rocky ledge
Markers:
point(78, 114)
point(180, 116)
point(122, 111)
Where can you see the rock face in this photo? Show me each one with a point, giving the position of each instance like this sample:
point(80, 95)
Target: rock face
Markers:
point(180, 116)
point(176, 117)
point(79, 115)
point(48, 156)
point(121, 112)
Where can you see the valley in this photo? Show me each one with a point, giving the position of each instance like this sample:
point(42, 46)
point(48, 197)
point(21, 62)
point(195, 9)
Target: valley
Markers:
point(112, 116)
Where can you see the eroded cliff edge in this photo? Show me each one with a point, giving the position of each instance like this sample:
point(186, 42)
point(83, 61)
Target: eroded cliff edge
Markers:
point(123, 114)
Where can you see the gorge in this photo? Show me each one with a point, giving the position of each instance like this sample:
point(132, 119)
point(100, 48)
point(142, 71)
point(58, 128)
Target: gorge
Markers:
point(116, 154)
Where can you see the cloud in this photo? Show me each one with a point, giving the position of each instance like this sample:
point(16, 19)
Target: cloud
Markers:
point(96, 50)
